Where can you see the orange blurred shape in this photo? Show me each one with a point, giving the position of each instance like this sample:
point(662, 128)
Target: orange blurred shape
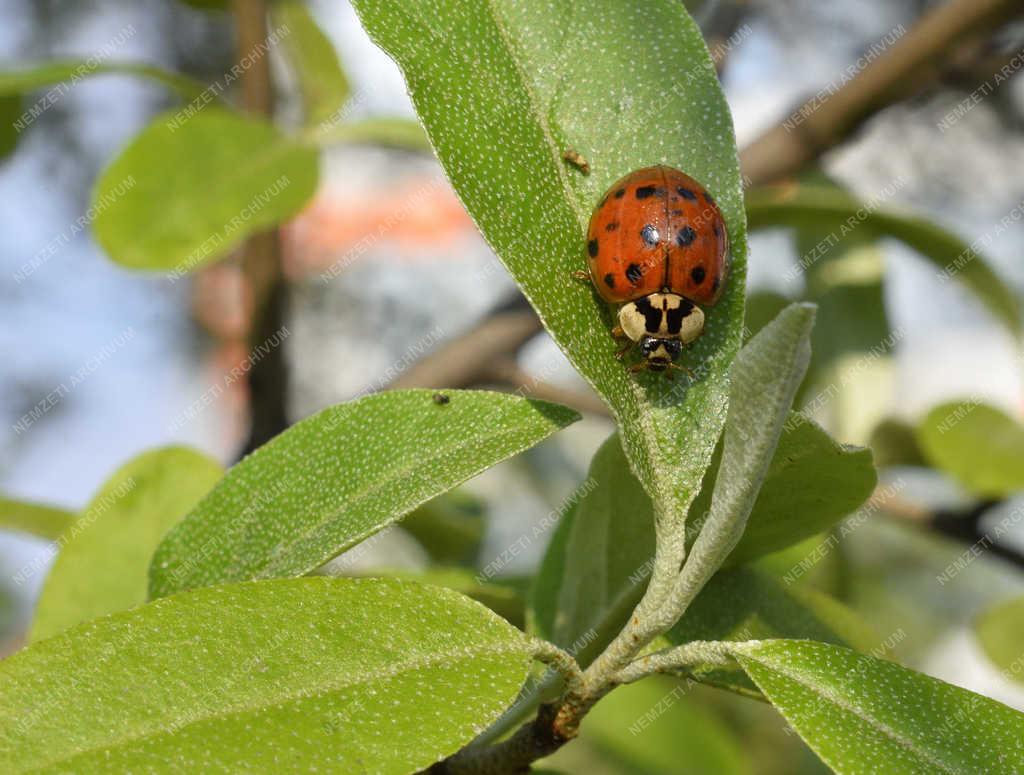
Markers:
point(415, 214)
point(222, 301)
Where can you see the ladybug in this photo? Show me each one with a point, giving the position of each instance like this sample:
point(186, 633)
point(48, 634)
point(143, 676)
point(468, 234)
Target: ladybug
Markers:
point(657, 245)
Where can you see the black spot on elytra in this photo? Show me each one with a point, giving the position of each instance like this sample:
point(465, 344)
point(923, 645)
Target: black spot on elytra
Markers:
point(592, 248)
point(716, 229)
point(677, 213)
point(609, 280)
point(686, 193)
point(685, 237)
point(652, 315)
point(710, 199)
point(715, 284)
point(634, 273)
point(643, 192)
point(697, 274)
point(674, 317)
point(649, 234)
point(611, 226)
point(620, 193)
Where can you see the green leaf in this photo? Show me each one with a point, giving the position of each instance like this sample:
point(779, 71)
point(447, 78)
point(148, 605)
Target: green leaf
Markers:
point(340, 476)
point(598, 561)
point(859, 306)
point(1000, 630)
point(17, 112)
point(834, 254)
point(852, 339)
point(749, 604)
point(39, 76)
point(546, 587)
point(894, 443)
point(597, 564)
point(652, 727)
point(792, 205)
point(978, 445)
point(47, 522)
point(504, 600)
point(504, 88)
point(605, 562)
point(388, 131)
point(866, 715)
point(11, 628)
point(762, 308)
point(314, 674)
point(451, 528)
point(852, 323)
point(10, 111)
point(102, 567)
point(322, 82)
point(189, 188)
point(208, 5)
point(765, 378)
point(843, 267)
point(818, 562)
point(811, 484)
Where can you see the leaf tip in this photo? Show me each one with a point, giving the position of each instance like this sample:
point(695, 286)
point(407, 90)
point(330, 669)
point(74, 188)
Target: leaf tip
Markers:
point(558, 414)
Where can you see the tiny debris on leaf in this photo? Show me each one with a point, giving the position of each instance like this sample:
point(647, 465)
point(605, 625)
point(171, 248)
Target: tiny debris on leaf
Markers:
point(441, 399)
point(575, 158)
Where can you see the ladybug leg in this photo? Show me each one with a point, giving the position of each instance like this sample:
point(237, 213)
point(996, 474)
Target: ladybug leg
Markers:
point(581, 274)
point(619, 335)
point(688, 371)
point(637, 367)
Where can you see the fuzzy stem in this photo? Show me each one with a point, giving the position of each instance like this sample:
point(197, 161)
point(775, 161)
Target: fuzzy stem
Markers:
point(560, 660)
point(678, 658)
point(653, 615)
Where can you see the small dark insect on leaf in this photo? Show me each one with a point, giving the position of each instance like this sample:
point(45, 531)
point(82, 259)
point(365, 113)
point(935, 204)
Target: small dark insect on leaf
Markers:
point(576, 159)
point(441, 399)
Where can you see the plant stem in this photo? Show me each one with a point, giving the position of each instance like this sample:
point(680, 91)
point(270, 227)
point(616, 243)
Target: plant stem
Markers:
point(261, 254)
point(557, 723)
point(463, 361)
point(915, 60)
point(560, 660)
point(532, 741)
point(654, 614)
point(912, 62)
point(518, 712)
point(672, 660)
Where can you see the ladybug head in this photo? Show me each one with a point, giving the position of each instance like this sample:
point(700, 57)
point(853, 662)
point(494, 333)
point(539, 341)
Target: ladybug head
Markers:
point(660, 352)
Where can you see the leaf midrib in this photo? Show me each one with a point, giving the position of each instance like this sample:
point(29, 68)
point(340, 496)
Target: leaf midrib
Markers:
point(631, 410)
point(538, 114)
point(641, 417)
point(288, 698)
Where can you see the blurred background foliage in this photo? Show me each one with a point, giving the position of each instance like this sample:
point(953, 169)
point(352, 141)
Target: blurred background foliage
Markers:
point(897, 210)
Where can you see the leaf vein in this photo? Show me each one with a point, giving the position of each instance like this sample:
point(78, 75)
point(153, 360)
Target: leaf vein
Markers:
point(288, 698)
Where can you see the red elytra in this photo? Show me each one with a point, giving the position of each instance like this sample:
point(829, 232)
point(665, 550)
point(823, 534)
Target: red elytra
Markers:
point(657, 229)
